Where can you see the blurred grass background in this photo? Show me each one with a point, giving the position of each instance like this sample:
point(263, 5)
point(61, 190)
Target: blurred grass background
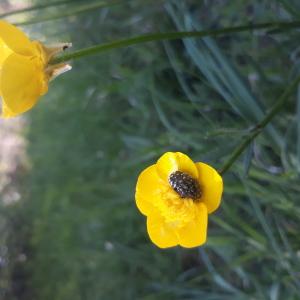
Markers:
point(76, 233)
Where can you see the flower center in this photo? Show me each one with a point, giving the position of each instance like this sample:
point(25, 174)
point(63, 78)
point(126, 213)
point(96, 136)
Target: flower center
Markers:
point(185, 185)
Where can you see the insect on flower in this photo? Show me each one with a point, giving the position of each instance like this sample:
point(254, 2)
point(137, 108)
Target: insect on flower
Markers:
point(24, 69)
point(176, 195)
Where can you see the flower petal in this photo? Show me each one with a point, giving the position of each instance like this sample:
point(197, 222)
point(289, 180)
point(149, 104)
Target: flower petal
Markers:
point(22, 82)
point(160, 233)
point(175, 161)
point(147, 190)
point(4, 52)
point(212, 186)
point(15, 39)
point(194, 233)
point(6, 112)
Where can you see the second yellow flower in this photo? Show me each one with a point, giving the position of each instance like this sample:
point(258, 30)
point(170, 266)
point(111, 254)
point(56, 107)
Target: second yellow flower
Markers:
point(24, 70)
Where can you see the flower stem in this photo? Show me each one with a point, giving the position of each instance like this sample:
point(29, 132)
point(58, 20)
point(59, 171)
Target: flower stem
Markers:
point(277, 26)
point(259, 126)
point(272, 26)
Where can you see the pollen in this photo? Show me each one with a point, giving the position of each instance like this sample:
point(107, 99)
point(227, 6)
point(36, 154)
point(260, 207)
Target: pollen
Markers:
point(185, 185)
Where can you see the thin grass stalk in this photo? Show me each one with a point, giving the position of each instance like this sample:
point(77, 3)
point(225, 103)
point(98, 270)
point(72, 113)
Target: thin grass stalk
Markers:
point(260, 126)
point(78, 10)
point(36, 7)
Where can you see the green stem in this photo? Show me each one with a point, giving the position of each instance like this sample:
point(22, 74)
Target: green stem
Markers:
point(171, 36)
point(260, 126)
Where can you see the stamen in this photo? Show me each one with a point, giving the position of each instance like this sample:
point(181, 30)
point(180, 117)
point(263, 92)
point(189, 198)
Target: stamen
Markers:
point(185, 185)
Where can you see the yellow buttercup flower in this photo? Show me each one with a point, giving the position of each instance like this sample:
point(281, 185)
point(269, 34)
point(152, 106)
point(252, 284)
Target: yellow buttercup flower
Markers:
point(177, 195)
point(24, 70)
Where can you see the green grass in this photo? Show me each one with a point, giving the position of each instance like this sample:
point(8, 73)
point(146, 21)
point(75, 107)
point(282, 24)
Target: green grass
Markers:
point(116, 113)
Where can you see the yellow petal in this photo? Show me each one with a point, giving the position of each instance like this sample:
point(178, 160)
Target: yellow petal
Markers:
point(22, 82)
point(15, 39)
point(194, 233)
point(4, 52)
point(175, 161)
point(211, 185)
point(147, 190)
point(160, 233)
point(6, 112)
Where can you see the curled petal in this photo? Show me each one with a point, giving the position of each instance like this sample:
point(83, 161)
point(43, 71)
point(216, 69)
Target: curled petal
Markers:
point(15, 39)
point(4, 52)
point(22, 82)
point(194, 233)
point(175, 161)
point(147, 190)
point(160, 233)
point(211, 185)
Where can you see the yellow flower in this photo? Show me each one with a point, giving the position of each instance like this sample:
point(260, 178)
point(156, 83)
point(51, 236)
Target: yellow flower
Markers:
point(24, 70)
point(177, 195)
